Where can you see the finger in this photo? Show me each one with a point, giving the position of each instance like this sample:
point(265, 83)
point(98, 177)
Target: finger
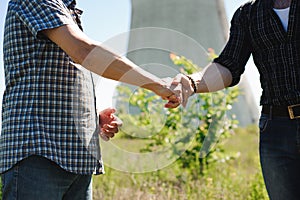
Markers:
point(113, 130)
point(117, 121)
point(109, 134)
point(178, 92)
point(177, 79)
point(116, 124)
point(106, 116)
point(186, 90)
point(173, 102)
point(108, 111)
point(109, 130)
point(172, 95)
point(175, 82)
point(110, 126)
point(104, 137)
point(176, 97)
point(172, 105)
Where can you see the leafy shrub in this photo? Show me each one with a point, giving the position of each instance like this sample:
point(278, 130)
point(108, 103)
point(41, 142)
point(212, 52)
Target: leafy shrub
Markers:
point(194, 133)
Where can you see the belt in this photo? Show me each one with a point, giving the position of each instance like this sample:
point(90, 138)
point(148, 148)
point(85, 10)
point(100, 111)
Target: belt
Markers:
point(292, 111)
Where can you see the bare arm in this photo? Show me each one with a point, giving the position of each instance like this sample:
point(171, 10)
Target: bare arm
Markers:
point(103, 62)
point(214, 77)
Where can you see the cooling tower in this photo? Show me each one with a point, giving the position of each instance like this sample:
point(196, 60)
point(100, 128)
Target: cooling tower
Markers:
point(188, 28)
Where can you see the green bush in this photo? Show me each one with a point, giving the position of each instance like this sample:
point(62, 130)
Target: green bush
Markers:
point(195, 133)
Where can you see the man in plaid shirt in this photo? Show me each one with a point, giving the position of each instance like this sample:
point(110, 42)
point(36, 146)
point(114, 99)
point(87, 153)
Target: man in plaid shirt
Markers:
point(270, 31)
point(49, 145)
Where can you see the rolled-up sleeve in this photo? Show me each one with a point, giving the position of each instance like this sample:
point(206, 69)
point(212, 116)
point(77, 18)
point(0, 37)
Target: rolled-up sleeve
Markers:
point(237, 51)
point(38, 15)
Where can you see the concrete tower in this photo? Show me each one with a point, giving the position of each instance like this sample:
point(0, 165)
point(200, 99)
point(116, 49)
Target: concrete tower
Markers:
point(187, 28)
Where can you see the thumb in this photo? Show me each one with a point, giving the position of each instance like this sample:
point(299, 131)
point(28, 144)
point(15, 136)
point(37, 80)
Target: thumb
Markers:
point(177, 79)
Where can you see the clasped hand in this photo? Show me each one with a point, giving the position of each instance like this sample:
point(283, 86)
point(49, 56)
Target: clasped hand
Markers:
point(182, 89)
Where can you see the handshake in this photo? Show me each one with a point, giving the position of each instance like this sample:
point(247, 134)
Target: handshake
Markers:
point(176, 91)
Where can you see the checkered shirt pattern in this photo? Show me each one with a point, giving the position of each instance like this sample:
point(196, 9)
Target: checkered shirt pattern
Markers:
point(49, 103)
point(256, 29)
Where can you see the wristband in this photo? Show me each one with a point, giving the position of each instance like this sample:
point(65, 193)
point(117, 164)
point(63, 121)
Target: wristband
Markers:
point(193, 83)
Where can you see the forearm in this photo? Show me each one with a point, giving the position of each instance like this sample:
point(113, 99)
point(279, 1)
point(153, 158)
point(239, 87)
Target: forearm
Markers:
point(102, 61)
point(109, 65)
point(214, 77)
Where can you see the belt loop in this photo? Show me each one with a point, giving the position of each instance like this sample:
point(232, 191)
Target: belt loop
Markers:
point(271, 112)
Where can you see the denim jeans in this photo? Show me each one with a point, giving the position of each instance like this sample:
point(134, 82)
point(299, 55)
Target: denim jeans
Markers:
point(280, 156)
point(37, 178)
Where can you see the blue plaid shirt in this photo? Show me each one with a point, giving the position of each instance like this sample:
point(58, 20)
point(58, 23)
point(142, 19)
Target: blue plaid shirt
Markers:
point(49, 102)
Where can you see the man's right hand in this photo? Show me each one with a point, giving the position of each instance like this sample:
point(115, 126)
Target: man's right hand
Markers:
point(181, 85)
point(167, 93)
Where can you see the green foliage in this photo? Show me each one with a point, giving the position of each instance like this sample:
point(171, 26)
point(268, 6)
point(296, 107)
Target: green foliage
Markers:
point(195, 133)
point(232, 180)
point(256, 192)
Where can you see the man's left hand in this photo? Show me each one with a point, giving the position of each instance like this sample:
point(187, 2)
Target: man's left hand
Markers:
point(109, 123)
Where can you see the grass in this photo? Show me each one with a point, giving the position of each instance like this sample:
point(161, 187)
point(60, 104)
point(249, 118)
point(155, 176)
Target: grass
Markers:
point(236, 179)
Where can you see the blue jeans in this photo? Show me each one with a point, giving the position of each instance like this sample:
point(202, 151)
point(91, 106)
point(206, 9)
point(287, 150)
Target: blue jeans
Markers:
point(280, 156)
point(37, 178)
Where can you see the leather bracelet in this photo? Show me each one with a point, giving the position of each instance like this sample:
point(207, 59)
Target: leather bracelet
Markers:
point(193, 83)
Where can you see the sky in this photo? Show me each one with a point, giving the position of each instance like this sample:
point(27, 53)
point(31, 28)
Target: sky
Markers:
point(103, 19)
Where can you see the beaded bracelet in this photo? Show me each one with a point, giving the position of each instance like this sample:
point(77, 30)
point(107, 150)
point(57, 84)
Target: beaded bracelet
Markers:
point(194, 86)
